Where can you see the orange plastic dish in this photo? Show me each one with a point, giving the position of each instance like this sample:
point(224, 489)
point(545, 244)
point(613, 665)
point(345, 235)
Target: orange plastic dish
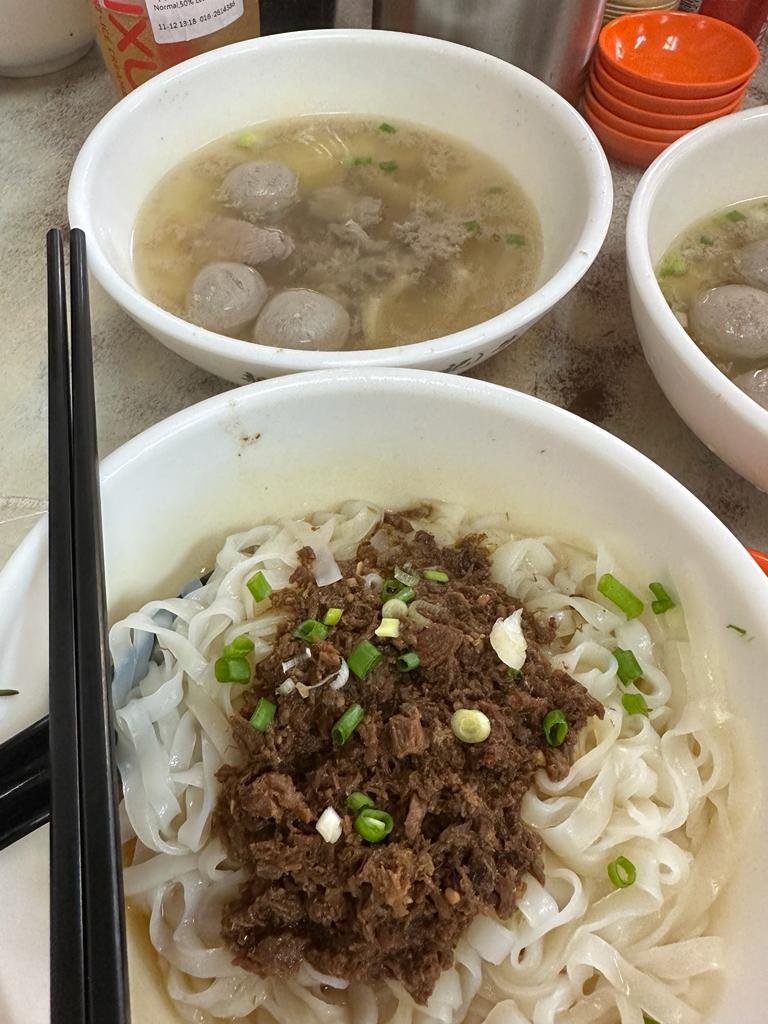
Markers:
point(636, 115)
point(660, 104)
point(639, 152)
point(637, 131)
point(677, 54)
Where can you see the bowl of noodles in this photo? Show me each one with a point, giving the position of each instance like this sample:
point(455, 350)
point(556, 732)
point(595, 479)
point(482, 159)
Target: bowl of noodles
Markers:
point(551, 814)
point(423, 205)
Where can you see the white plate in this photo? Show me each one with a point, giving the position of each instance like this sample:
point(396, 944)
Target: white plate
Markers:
point(393, 436)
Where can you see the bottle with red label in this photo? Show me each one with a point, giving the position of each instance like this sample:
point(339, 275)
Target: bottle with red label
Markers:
point(140, 38)
point(751, 16)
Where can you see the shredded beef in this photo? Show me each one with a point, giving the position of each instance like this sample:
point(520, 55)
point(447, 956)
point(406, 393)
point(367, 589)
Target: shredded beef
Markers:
point(367, 911)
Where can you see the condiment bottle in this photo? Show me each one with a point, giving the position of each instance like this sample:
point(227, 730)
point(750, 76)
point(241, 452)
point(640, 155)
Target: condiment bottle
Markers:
point(751, 16)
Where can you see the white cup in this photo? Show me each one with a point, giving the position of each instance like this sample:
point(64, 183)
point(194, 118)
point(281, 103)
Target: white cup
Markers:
point(41, 36)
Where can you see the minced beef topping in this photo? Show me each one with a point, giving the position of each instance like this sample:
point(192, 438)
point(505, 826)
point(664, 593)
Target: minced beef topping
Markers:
point(395, 909)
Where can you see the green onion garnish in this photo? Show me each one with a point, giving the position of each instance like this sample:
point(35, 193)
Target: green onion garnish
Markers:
point(8, 693)
point(359, 161)
point(388, 165)
point(663, 601)
point(514, 673)
point(516, 240)
point(634, 704)
point(620, 595)
point(310, 630)
point(261, 719)
point(389, 129)
point(373, 825)
point(357, 801)
point(394, 588)
point(628, 668)
point(676, 267)
point(346, 725)
point(232, 670)
point(436, 575)
point(648, 1019)
point(363, 658)
point(555, 726)
point(407, 662)
point(472, 227)
point(246, 139)
point(706, 240)
point(332, 617)
point(735, 216)
point(737, 629)
point(240, 645)
point(622, 872)
point(259, 586)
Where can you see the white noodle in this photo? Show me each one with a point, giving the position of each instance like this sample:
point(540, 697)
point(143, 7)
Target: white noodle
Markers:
point(577, 951)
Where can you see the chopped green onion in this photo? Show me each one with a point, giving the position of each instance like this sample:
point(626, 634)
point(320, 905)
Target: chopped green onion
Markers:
point(472, 227)
point(232, 670)
point(516, 240)
point(555, 726)
point(359, 161)
point(620, 595)
point(394, 608)
point(310, 630)
point(404, 577)
point(663, 601)
point(436, 575)
point(240, 645)
point(357, 801)
point(346, 725)
point(514, 673)
point(9, 693)
point(735, 216)
point(470, 725)
point(628, 668)
point(246, 139)
point(333, 617)
point(676, 267)
point(407, 662)
point(394, 588)
point(495, 190)
point(648, 1019)
point(388, 628)
point(737, 629)
point(261, 719)
point(634, 704)
point(373, 825)
point(706, 240)
point(389, 165)
point(363, 658)
point(389, 129)
point(259, 586)
point(622, 872)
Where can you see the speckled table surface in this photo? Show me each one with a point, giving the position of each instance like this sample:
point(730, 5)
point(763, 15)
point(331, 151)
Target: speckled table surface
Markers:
point(584, 356)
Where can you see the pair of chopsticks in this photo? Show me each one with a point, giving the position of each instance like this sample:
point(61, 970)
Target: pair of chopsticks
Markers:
point(88, 960)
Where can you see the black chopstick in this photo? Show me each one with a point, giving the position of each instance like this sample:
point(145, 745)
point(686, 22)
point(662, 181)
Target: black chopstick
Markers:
point(68, 989)
point(103, 877)
point(88, 964)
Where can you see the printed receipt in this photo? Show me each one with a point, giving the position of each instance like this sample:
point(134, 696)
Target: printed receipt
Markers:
point(174, 21)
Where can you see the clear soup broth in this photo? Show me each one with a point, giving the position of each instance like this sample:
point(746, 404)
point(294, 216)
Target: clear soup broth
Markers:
point(404, 233)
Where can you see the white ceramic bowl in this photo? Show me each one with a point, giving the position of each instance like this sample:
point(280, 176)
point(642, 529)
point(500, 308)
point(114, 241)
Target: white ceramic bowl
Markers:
point(723, 162)
point(42, 36)
point(498, 108)
point(172, 493)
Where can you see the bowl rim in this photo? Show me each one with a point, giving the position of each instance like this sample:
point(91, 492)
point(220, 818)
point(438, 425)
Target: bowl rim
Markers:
point(642, 274)
point(507, 323)
point(598, 109)
point(668, 103)
point(703, 117)
point(674, 87)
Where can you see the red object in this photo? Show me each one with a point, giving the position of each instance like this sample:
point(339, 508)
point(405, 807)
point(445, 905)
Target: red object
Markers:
point(677, 55)
point(761, 558)
point(650, 118)
point(751, 16)
point(660, 104)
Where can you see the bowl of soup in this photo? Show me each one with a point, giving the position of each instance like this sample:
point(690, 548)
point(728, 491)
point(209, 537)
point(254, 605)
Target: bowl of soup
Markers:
point(697, 256)
point(339, 198)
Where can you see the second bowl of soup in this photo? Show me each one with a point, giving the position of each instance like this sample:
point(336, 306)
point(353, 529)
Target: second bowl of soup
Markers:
point(421, 205)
